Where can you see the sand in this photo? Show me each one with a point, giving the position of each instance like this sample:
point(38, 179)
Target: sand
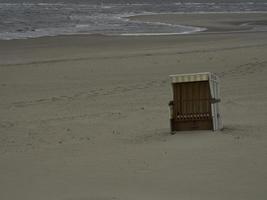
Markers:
point(86, 117)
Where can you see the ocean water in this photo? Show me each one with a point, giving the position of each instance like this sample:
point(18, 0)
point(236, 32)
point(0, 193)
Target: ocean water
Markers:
point(36, 18)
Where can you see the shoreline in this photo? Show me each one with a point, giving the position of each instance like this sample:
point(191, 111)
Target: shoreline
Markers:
point(157, 18)
point(232, 24)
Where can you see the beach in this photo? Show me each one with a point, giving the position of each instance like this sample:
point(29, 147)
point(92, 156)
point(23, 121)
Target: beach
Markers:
point(85, 117)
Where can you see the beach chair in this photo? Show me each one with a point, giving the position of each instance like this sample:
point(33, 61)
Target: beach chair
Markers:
point(195, 104)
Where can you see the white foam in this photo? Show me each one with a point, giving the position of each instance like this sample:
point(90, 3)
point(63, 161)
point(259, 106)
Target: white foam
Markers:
point(158, 34)
point(151, 34)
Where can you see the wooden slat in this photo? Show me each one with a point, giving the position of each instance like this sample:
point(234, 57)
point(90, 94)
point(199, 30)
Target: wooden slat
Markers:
point(195, 97)
point(175, 98)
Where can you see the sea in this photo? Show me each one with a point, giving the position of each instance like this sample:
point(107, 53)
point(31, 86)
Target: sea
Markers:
point(22, 19)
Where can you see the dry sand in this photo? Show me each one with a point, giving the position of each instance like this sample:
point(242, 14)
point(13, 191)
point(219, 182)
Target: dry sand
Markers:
point(86, 117)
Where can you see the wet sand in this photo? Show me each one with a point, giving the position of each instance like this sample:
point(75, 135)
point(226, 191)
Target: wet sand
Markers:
point(86, 117)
